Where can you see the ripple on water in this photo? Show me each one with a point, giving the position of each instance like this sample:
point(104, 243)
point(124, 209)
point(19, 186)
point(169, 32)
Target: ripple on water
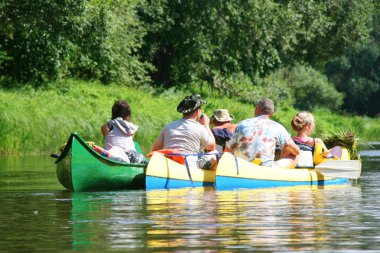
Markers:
point(340, 218)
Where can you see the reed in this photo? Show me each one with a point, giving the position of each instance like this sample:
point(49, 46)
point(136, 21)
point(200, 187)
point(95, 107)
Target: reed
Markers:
point(40, 120)
point(347, 139)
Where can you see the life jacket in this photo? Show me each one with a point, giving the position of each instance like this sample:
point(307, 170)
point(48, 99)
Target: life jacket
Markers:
point(312, 156)
point(336, 153)
point(221, 136)
point(305, 158)
point(172, 154)
point(303, 146)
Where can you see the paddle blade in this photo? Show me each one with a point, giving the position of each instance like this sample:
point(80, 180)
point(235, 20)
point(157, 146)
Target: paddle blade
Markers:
point(340, 168)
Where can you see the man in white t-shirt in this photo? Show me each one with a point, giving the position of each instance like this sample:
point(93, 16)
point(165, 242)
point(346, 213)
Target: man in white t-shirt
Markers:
point(190, 135)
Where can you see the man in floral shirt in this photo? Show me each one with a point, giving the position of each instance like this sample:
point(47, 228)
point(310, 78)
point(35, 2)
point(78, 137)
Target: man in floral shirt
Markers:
point(258, 137)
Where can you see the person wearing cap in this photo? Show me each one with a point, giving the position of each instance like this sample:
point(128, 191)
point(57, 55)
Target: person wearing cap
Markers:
point(223, 128)
point(259, 136)
point(190, 135)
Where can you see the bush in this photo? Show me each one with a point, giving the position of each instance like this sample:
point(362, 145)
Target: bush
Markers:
point(357, 75)
point(304, 88)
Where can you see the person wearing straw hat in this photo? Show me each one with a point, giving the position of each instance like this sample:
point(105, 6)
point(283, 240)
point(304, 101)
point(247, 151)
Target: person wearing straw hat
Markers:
point(223, 128)
point(191, 135)
point(258, 137)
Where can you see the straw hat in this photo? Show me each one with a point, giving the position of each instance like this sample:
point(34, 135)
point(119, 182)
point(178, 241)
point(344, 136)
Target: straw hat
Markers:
point(222, 115)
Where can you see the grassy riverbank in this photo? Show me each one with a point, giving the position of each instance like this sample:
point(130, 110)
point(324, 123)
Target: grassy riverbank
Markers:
point(39, 121)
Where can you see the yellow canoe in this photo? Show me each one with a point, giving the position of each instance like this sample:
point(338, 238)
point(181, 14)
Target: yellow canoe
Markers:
point(164, 173)
point(233, 172)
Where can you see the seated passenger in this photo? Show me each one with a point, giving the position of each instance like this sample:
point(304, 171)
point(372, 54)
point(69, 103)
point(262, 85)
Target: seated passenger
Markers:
point(223, 128)
point(119, 133)
point(190, 135)
point(303, 124)
point(258, 137)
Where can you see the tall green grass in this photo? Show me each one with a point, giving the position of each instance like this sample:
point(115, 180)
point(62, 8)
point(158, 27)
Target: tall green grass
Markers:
point(39, 121)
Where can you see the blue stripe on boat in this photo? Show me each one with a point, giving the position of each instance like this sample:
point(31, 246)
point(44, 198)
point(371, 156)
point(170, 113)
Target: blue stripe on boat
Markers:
point(230, 183)
point(167, 183)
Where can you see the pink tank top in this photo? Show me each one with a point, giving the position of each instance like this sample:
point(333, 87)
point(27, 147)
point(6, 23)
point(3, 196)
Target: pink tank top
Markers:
point(301, 140)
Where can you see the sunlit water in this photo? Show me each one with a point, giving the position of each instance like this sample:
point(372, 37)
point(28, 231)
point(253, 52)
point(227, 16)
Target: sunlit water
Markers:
point(37, 214)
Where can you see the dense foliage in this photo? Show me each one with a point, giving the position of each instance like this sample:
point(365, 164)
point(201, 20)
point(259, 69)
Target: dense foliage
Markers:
point(45, 40)
point(276, 48)
point(357, 74)
point(197, 40)
point(304, 88)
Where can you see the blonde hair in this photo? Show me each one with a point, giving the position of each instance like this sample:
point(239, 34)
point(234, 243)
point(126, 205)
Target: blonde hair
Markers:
point(302, 119)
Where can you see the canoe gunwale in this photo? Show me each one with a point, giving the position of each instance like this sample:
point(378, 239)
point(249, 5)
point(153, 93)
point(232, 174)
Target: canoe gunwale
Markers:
point(80, 168)
point(101, 158)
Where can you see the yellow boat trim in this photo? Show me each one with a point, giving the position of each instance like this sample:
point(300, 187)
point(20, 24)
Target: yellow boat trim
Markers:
point(160, 166)
point(227, 167)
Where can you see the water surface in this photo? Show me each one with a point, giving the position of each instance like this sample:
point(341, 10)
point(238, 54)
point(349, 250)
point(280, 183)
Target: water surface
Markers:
point(38, 214)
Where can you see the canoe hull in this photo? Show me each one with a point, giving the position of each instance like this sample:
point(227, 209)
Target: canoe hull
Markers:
point(164, 173)
point(153, 182)
point(80, 168)
point(234, 173)
point(231, 183)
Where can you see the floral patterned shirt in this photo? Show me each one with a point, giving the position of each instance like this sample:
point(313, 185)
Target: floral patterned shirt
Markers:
point(257, 138)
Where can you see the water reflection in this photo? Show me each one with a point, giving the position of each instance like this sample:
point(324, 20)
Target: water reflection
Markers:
point(33, 221)
point(182, 218)
point(299, 217)
point(28, 173)
point(37, 215)
point(107, 219)
point(283, 217)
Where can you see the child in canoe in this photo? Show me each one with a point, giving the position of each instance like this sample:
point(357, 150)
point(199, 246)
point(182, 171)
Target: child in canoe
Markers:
point(118, 133)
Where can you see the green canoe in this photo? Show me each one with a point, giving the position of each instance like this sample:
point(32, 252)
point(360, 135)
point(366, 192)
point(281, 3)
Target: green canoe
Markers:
point(80, 168)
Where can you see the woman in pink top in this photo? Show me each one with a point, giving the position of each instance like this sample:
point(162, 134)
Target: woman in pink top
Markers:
point(303, 123)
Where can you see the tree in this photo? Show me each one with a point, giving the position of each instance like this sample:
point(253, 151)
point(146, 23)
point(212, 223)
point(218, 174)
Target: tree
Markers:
point(34, 36)
point(303, 87)
point(196, 41)
point(44, 40)
point(356, 73)
point(328, 29)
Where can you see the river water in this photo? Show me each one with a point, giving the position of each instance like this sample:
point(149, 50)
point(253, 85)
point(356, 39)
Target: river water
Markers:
point(39, 215)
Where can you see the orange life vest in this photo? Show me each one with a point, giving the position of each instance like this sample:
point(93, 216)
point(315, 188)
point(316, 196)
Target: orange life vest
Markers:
point(172, 154)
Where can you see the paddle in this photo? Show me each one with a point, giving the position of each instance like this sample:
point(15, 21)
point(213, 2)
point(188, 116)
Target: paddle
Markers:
point(340, 168)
